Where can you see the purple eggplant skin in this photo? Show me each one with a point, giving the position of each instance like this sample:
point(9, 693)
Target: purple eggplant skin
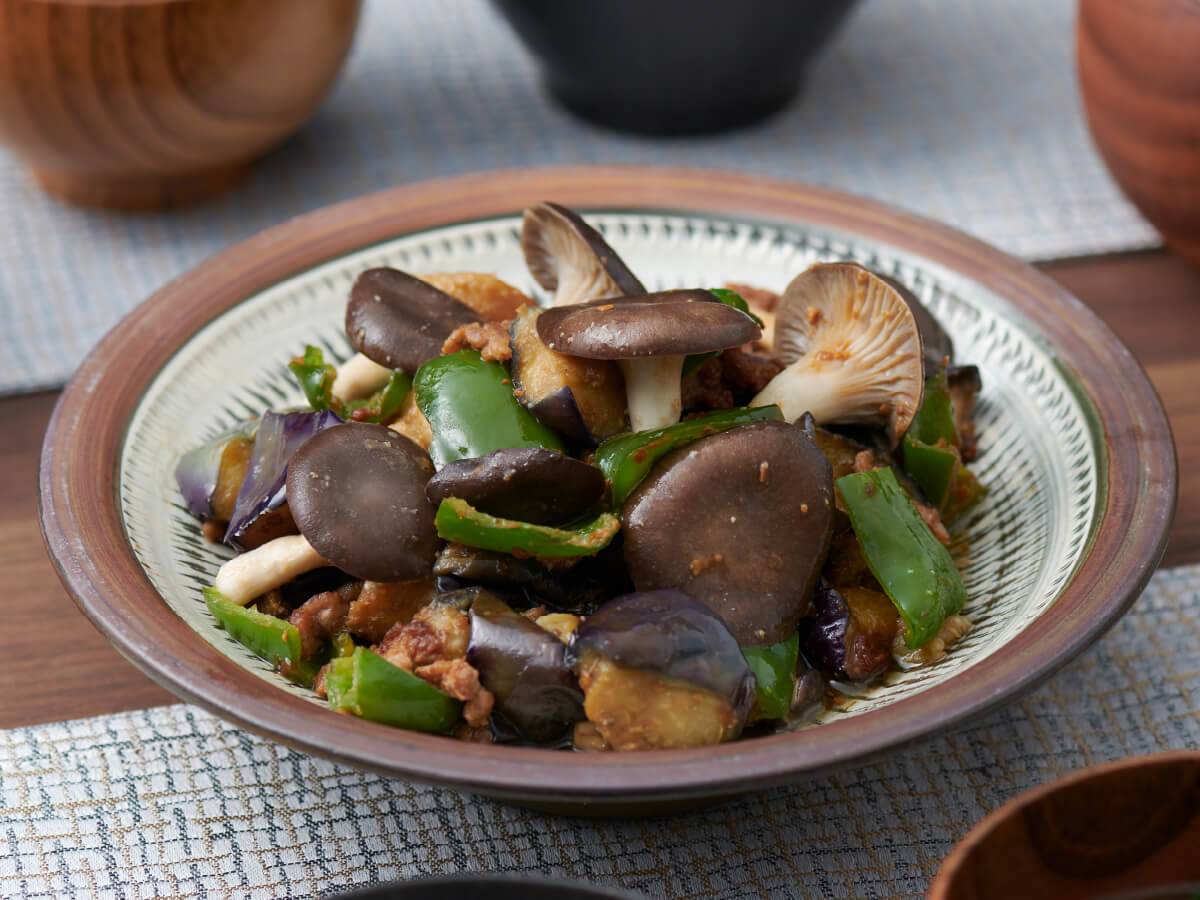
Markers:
point(525, 668)
point(264, 491)
point(668, 632)
point(197, 470)
point(560, 412)
point(823, 634)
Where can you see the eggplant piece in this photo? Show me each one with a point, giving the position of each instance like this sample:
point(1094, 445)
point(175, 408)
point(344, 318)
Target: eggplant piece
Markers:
point(579, 589)
point(964, 385)
point(525, 667)
point(582, 399)
point(659, 669)
point(259, 514)
point(850, 634)
point(206, 474)
point(529, 484)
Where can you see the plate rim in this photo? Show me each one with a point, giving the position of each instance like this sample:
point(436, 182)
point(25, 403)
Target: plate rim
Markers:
point(81, 525)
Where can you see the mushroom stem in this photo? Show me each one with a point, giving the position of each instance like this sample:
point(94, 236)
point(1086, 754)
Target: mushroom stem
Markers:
point(797, 390)
point(359, 377)
point(267, 567)
point(653, 390)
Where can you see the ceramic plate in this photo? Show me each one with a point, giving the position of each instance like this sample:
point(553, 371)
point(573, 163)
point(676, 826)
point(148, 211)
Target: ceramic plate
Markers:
point(1075, 451)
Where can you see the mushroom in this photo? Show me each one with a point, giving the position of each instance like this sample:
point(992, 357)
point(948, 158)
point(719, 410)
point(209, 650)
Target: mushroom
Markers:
point(568, 256)
point(266, 567)
point(399, 321)
point(853, 351)
point(936, 344)
point(649, 335)
point(357, 493)
point(529, 484)
point(741, 521)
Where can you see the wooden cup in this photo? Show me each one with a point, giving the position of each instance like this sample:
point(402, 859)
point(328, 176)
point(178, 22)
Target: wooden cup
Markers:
point(149, 104)
point(1139, 72)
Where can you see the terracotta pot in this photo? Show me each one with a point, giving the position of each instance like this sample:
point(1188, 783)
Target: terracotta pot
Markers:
point(1139, 72)
point(140, 104)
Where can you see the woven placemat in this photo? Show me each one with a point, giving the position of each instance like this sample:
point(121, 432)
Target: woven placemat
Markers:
point(964, 111)
point(171, 802)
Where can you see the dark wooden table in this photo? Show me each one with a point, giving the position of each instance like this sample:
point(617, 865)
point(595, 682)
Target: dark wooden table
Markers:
point(57, 666)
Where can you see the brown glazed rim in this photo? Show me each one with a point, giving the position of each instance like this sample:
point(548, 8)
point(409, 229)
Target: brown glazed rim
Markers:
point(82, 526)
point(954, 865)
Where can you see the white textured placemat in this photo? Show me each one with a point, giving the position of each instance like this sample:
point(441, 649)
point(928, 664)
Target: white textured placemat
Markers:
point(172, 802)
point(964, 111)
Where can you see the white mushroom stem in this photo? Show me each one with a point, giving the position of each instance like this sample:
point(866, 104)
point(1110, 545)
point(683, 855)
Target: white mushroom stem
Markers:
point(652, 390)
point(265, 568)
point(359, 377)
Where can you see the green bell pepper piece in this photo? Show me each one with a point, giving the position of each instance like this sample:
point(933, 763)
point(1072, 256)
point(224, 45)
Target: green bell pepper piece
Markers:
point(730, 298)
point(930, 453)
point(471, 409)
point(933, 468)
point(934, 421)
point(459, 521)
point(774, 668)
point(274, 639)
point(316, 378)
point(367, 685)
point(914, 569)
point(627, 458)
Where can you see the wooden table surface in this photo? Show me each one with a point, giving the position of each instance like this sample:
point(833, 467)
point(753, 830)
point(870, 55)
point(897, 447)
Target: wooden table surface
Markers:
point(57, 666)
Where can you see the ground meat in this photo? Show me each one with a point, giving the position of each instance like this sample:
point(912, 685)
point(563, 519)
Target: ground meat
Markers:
point(473, 734)
point(749, 372)
point(705, 388)
point(491, 297)
point(380, 605)
point(952, 630)
point(864, 461)
point(272, 604)
point(436, 632)
point(318, 619)
point(934, 520)
point(765, 300)
point(489, 338)
point(412, 422)
point(460, 680)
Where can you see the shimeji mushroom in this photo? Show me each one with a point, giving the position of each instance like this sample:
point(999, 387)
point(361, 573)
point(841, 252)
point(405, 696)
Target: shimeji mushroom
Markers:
point(568, 257)
point(394, 321)
point(649, 335)
point(357, 494)
point(853, 350)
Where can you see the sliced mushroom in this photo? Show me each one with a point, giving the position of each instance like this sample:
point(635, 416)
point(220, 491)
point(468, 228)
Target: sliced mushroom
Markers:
point(359, 376)
point(935, 343)
point(568, 256)
point(266, 567)
point(399, 321)
point(741, 521)
point(649, 335)
point(853, 351)
point(529, 484)
point(357, 493)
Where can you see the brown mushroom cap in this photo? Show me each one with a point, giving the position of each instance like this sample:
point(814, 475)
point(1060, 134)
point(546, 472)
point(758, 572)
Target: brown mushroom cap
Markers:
point(568, 256)
point(740, 521)
point(357, 493)
point(529, 484)
point(666, 323)
point(400, 321)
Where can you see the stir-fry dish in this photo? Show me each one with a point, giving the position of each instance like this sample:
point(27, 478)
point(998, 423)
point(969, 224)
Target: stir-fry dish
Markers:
point(624, 520)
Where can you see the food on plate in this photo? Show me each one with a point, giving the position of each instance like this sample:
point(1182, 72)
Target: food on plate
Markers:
point(625, 520)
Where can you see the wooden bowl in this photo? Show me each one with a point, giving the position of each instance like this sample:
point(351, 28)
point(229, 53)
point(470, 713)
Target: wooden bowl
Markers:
point(148, 104)
point(1076, 452)
point(1140, 78)
point(1129, 829)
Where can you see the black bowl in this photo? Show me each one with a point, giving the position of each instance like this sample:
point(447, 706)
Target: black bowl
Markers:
point(674, 66)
